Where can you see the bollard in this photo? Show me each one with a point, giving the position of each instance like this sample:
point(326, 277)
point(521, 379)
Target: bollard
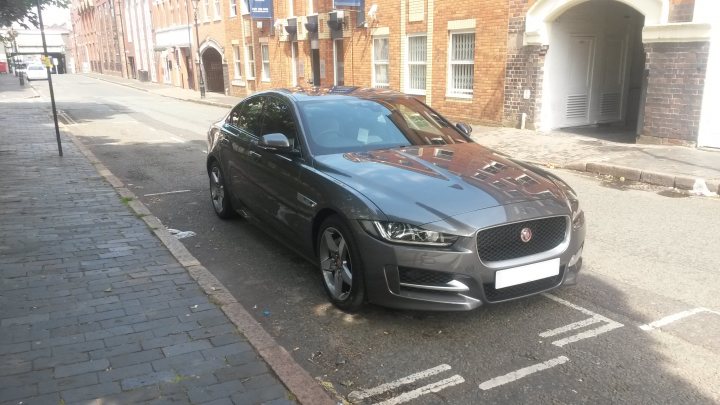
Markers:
point(22, 78)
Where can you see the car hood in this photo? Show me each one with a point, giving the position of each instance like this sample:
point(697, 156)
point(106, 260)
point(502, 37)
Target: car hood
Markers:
point(423, 184)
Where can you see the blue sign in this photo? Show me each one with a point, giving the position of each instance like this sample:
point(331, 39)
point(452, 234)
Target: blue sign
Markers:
point(351, 3)
point(261, 9)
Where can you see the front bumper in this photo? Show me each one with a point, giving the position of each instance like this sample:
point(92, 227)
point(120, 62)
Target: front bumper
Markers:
point(417, 278)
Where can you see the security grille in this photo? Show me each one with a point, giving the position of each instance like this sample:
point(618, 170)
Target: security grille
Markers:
point(504, 243)
point(462, 63)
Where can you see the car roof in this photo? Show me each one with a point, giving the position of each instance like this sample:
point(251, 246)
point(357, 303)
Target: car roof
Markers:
point(336, 93)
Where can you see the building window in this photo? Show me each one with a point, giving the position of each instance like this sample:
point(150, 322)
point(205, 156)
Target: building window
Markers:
point(265, 54)
point(291, 8)
point(233, 8)
point(206, 7)
point(417, 60)
point(250, 71)
point(462, 64)
point(381, 60)
point(217, 9)
point(237, 61)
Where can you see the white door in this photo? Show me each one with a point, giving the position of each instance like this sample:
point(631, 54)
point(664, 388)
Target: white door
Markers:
point(613, 73)
point(579, 72)
point(339, 63)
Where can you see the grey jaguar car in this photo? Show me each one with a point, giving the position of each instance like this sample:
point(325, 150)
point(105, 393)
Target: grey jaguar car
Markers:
point(393, 204)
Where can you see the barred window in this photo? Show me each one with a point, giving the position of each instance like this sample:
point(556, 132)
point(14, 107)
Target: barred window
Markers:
point(417, 64)
point(265, 54)
point(381, 61)
point(462, 64)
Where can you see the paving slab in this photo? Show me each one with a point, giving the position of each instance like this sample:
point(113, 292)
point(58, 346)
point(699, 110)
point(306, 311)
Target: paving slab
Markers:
point(75, 332)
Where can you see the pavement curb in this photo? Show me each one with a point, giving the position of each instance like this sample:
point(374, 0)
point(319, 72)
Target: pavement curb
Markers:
point(294, 377)
point(643, 176)
point(192, 100)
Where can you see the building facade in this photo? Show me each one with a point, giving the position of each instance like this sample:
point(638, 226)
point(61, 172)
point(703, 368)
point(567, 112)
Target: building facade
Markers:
point(643, 66)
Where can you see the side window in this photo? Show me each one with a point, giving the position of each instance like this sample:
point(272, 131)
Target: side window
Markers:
point(250, 117)
point(279, 118)
point(234, 116)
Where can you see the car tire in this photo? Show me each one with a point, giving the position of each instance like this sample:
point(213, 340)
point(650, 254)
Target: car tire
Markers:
point(219, 193)
point(341, 268)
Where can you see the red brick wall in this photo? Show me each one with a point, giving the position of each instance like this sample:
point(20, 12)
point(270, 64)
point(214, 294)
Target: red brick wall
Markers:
point(491, 17)
point(681, 11)
point(675, 89)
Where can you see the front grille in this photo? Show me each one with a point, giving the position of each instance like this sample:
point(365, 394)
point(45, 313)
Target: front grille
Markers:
point(423, 277)
point(493, 295)
point(503, 242)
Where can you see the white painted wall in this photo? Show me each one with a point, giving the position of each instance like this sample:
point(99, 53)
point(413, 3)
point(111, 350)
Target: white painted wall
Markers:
point(598, 20)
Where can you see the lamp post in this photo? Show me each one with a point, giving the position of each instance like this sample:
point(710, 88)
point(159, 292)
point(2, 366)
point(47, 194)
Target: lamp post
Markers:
point(197, 39)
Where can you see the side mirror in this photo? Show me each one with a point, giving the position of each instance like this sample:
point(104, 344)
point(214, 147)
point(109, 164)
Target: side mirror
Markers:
point(464, 128)
point(276, 142)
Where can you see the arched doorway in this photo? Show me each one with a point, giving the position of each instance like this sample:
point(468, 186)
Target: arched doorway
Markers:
point(594, 69)
point(213, 67)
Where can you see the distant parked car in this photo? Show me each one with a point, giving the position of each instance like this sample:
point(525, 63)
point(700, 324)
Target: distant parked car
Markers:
point(391, 202)
point(36, 71)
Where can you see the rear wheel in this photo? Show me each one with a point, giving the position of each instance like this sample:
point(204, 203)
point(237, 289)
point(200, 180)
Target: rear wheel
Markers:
point(340, 265)
point(218, 192)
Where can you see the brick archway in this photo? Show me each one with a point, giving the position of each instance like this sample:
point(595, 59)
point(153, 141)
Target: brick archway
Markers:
point(541, 14)
point(213, 67)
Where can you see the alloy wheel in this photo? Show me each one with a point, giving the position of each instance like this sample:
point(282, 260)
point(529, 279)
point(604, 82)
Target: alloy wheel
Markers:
point(336, 264)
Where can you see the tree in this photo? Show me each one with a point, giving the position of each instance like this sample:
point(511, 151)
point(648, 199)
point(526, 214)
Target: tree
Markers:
point(24, 12)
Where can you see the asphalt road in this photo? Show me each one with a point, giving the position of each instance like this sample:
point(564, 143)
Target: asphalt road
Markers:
point(648, 257)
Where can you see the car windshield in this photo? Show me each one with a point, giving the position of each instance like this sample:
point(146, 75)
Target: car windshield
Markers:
point(348, 124)
point(36, 67)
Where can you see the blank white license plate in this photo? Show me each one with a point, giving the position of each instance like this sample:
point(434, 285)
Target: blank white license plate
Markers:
point(527, 273)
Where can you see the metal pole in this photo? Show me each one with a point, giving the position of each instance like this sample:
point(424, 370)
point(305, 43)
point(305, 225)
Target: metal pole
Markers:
point(197, 39)
point(50, 84)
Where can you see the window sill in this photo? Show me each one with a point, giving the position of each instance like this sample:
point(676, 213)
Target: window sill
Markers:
point(218, 19)
point(416, 92)
point(265, 80)
point(459, 97)
point(238, 82)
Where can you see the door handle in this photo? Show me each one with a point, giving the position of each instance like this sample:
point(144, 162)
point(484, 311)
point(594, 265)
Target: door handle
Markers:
point(254, 155)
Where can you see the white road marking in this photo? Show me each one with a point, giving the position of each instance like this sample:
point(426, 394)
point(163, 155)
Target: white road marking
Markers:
point(594, 318)
point(675, 317)
point(523, 372)
point(588, 334)
point(177, 139)
point(356, 396)
point(167, 192)
point(572, 326)
point(434, 387)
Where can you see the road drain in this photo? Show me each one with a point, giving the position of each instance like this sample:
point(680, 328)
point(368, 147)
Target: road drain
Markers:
point(673, 194)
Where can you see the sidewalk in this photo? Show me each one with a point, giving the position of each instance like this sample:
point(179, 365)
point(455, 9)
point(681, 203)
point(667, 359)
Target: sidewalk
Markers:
point(671, 166)
point(99, 308)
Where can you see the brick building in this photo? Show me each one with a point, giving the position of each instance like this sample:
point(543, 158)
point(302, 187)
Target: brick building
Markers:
point(642, 66)
point(98, 40)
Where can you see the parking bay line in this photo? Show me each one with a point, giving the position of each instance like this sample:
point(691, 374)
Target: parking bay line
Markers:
point(594, 318)
point(356, 396)
point(523, 372)
point(167, 192)
point(434, 387)
point(675, 317)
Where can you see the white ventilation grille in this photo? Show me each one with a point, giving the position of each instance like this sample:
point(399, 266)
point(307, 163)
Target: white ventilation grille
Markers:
point(577, 106)
point(609, 104)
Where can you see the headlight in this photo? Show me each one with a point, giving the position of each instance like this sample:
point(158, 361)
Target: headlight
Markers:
point(398, 232)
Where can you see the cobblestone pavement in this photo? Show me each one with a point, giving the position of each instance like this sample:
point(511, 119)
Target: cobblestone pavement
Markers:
point(94, 306)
